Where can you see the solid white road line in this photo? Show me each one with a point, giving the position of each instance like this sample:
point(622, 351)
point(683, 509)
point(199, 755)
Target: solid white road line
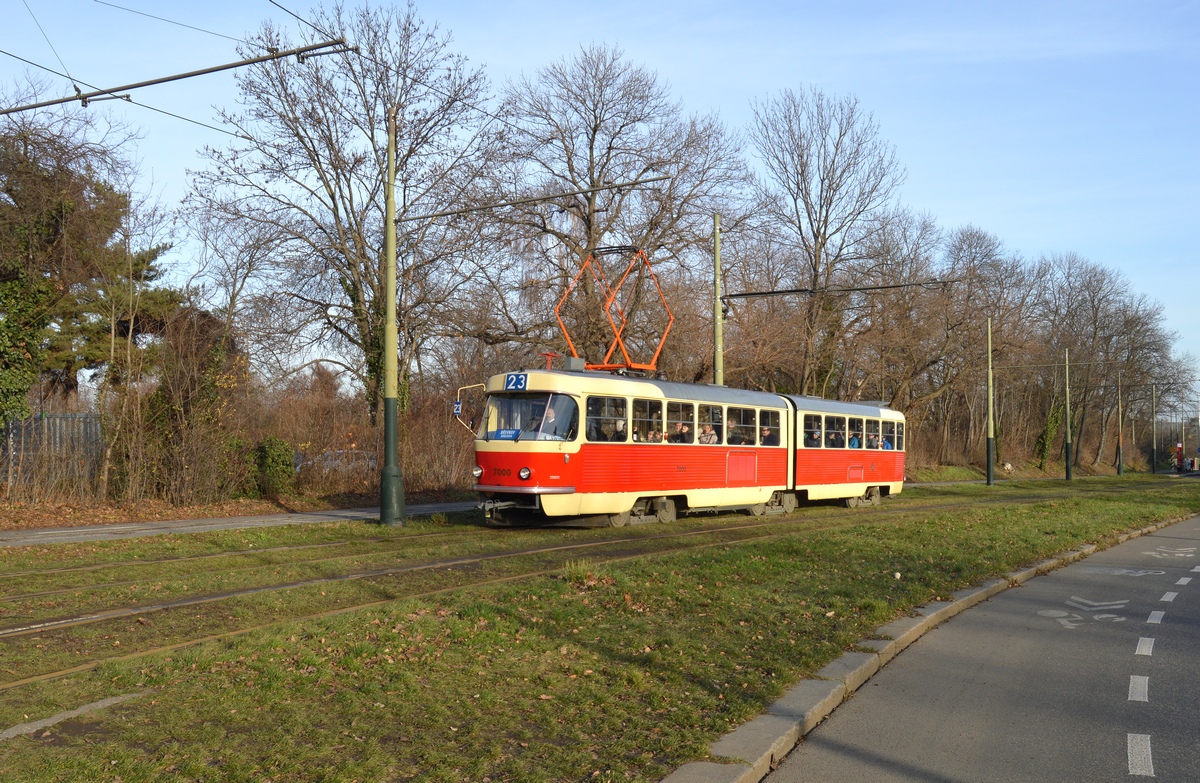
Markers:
point(1139, 688)
point(1168, 597)
point(1145, 646)
point(1138, 751)
point(1184, 580)
point(1156, 617)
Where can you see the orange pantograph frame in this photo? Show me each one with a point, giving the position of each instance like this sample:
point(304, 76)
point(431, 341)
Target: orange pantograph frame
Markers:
point(611, 307)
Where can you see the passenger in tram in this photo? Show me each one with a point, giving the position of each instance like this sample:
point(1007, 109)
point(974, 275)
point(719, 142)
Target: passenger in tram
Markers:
point(887, 443)
point(619, 434)
point(682, 433)
point(835, 441)
point(708, 436)
point(855, 442)
point(769, 438)
point(872, 440)
point(736, 438)
point(654, 436)
point(812, 439)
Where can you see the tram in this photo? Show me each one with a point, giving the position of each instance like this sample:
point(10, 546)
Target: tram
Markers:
point(598, 449)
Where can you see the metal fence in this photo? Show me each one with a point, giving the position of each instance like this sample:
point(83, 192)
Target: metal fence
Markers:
point(52, 455)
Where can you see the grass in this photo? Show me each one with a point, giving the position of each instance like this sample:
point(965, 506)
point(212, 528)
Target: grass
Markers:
point(601, 670)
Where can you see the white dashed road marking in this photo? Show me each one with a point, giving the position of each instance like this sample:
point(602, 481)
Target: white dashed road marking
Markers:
point(1184, 580)
point(1168, 597)
point(1139, 688)
point(1138, 750)
point(1145, 646)
point(1156, 617)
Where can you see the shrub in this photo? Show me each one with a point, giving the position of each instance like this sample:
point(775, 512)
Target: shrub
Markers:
point(276, 472)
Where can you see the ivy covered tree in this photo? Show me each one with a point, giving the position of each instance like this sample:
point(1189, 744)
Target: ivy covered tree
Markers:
point(71, 280)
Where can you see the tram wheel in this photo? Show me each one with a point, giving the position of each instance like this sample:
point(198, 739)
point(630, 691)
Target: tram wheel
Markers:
point(854, 502)
point(788, 501)
point(666, 511)
point(874, 497)
point(758, 509)
point(618, 520)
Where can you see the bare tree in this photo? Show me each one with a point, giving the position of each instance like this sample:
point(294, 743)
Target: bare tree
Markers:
point(312, 180)
point(827, 174)
point(593, 120)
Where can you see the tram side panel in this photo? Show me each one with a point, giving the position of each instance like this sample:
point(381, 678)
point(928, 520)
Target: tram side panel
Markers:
point(614, 475)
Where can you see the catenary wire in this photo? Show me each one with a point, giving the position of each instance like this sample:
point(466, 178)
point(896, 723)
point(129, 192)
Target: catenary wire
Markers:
point(172, 21)
point(126, 98)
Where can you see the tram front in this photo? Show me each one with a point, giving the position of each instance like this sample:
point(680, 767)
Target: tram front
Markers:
point(526, 447)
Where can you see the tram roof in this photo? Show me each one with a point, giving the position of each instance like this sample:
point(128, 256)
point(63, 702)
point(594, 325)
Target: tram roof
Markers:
point(700, 392)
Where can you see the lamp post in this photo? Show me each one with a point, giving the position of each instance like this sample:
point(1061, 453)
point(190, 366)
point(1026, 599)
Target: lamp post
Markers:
point(391, 483)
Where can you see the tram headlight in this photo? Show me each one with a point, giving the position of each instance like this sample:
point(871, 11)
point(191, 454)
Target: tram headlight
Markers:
point(524, 473)
point(477, 472)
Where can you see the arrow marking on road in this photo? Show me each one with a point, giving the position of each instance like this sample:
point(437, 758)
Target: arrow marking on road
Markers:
point(1093, 606)
point(1145, 646)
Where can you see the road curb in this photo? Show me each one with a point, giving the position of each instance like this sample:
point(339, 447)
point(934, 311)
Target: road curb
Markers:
point(755, 748)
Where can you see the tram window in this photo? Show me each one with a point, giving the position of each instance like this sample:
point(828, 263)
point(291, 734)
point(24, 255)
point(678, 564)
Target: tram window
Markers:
point(899, 436)
point(872, 434)
point(855, 440)
point(606, 419)
point(681, 422)
point(740, 430)
point(709, 420)
point(529, 417)
point(889, 435)
point(835, 432)
point(812, 431)
point(768, 428)
point(647, 421)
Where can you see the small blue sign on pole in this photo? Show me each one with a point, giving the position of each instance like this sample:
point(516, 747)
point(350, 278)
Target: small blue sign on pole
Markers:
point(458, 407)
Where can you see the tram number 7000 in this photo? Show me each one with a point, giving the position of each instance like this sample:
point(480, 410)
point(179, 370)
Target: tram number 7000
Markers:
point(515, 381)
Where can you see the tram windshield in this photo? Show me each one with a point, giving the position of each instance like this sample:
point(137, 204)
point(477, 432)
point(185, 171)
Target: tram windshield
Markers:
point(529, 417)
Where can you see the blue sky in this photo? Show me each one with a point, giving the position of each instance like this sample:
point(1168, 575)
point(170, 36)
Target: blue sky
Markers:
point(1056, 126)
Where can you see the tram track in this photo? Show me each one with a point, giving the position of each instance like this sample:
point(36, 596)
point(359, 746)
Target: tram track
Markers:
point(603, 550)
point(798, 517)
point(514, 577)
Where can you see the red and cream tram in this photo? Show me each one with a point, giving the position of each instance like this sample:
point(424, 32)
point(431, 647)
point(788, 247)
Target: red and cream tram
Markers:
point(600, 449)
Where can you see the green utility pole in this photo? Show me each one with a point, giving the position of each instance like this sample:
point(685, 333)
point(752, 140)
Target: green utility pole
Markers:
point(1153, 429)
point(991, 430)
point(718, 317)
point(391, 483)
point(1067, 442)
point(1120, 430)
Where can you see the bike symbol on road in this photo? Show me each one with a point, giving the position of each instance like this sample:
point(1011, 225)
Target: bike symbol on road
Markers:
point(1072, 620)
point(1119, 571)
point(1163, 551)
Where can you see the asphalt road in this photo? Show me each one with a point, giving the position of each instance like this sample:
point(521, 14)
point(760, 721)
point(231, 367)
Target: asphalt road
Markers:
point(1087, 674)
point(63, 535)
